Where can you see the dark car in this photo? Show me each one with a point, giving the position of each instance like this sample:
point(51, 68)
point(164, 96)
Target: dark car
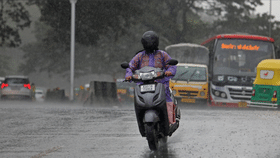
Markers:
point(16, 87)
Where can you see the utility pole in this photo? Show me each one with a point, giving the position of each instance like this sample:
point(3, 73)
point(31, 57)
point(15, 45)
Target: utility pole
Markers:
point(2, 23)
point(269, 18)
point(72, 61)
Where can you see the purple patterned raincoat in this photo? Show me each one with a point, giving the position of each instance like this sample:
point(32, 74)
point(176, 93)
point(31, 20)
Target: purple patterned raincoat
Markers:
point(158, 59)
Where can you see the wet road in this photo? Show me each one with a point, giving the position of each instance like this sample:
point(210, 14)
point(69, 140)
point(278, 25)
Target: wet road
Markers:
point(75, 131)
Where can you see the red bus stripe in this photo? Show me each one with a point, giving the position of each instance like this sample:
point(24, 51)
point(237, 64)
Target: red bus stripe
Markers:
point(239, 36)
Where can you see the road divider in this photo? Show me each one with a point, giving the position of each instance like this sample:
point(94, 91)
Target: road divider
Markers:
point(102, 93)
point(56, 95)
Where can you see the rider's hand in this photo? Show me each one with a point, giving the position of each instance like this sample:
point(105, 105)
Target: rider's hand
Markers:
point(168, 73)
point(128, 78)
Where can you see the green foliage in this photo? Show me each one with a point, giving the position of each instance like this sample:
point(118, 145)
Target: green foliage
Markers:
point(177, 21)
point(4, 65)
point(13, 17)
point(238, 17)
point(93, 18)
point(109, 32)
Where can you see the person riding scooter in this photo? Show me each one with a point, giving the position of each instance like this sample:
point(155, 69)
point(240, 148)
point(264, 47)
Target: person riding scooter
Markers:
point(153, 57)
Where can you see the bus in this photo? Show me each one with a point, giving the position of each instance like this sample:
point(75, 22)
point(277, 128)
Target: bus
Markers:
point(190, 84)
point(189, 53)
point(233, 59)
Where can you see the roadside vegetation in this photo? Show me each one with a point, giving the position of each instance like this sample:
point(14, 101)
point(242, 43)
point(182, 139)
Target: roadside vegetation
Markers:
point(109, 32)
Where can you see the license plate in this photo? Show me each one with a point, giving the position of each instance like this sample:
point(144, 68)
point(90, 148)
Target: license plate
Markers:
point(147, 88)
point(188, 100)
point(242, 104)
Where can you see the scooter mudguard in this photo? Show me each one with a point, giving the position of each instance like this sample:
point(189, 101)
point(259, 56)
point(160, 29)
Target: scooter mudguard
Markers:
point(151, 116)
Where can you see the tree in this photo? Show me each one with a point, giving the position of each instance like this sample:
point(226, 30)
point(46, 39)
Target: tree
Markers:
point(97, 22)
point(239, 17)
point(93, 18)
point(234, 16)
point(45, 48)
point(174, 20)
point(4, 65)
point(13, 17)
point(109, 32)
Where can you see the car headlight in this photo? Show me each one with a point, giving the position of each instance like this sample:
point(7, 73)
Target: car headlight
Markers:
point(202, 93)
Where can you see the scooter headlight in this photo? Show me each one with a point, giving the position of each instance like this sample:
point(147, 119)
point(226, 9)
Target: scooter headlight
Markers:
point(136, 77)
point(148, 75)
point(174, 92)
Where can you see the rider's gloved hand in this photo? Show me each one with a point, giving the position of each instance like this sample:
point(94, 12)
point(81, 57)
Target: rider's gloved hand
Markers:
point(168, 73)
point(128, 78)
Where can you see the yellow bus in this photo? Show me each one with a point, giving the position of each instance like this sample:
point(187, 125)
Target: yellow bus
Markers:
point(190, 84)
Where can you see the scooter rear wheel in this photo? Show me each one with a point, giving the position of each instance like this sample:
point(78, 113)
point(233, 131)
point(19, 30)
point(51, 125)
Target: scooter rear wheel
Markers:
point(151, 135)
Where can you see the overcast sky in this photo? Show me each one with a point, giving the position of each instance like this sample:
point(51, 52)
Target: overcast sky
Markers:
point(275, 8)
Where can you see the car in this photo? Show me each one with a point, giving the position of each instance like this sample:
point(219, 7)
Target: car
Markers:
point(16, 87)
point(1, 80)
point(39, 95)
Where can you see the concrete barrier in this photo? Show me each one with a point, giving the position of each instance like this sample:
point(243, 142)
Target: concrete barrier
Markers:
point(102, 93)
point(55, 96)
point(125, 91)
point(82, 95)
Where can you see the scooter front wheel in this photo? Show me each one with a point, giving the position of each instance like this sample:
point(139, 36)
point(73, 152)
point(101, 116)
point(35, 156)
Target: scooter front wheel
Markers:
point(163, 139)
point(151, 135)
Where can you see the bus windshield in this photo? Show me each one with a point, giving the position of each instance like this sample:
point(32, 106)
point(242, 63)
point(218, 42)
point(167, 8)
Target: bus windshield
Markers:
point(189, 53)
point(190, 73)
point(240, 57)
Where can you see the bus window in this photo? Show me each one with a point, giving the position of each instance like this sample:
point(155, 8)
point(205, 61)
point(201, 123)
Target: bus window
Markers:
point(245, 52)
point(241, 58)
point(189, 53)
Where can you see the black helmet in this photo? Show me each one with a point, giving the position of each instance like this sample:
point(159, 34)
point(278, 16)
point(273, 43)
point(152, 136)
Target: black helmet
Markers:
point(150, 41)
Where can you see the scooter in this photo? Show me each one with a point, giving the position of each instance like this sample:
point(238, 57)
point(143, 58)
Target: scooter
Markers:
point(150, 105)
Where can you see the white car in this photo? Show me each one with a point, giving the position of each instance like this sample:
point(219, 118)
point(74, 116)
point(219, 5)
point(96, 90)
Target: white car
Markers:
point(16, 87)
point(2, 79)
point(39, 95)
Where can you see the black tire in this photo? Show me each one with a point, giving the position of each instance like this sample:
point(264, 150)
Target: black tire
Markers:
point(164, 139)
point(151, 135)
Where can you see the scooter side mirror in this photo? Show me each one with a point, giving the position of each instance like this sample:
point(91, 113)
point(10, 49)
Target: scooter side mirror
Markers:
point(125, 65)
point(172, 62)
